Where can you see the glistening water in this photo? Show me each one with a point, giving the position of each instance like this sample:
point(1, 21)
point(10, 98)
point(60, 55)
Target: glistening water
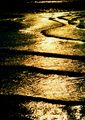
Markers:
point(42, 66)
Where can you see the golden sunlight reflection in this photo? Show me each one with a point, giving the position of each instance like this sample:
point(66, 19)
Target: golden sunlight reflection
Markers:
point(67, 31)
point(60, 35)
point(43, 62)
point(49, 44)
point(48, 86)
point(47, 111)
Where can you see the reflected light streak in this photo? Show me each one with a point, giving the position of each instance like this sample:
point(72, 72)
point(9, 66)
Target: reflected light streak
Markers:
point(48, 44)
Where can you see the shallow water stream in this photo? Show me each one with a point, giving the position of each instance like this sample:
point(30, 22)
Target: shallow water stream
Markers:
point(43, 62)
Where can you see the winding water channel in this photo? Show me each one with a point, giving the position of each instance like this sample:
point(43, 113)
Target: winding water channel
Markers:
point(42, 65)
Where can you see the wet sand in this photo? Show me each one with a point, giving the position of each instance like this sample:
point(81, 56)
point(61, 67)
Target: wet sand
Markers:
point(42, 64)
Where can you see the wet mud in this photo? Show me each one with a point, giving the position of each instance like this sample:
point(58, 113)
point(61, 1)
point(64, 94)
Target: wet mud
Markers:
point(42, 66)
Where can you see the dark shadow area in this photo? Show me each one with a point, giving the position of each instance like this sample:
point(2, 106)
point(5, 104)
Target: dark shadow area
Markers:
point(11, 108)
point(25, 5)
point(5, 70)
point(8, 25)
point(10, 22)
point(22, 99)
point(13, 6)
point(4, 53)
point(9, 15)
point(10, 35)
point(14, 39)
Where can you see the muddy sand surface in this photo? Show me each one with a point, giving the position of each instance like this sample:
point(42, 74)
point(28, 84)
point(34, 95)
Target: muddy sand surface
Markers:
point(42, 66)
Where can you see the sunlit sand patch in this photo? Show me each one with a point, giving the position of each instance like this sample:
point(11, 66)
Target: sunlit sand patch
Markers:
point(57, 87)
point(51, 112)
point(38, 20)
point(68, 32)
point(41, 21)
point(45, 86)
point(54, 63)
point(46, 111)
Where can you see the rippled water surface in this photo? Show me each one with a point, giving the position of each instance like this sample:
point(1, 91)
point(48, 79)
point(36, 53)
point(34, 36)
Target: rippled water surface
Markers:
point(43, 57)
